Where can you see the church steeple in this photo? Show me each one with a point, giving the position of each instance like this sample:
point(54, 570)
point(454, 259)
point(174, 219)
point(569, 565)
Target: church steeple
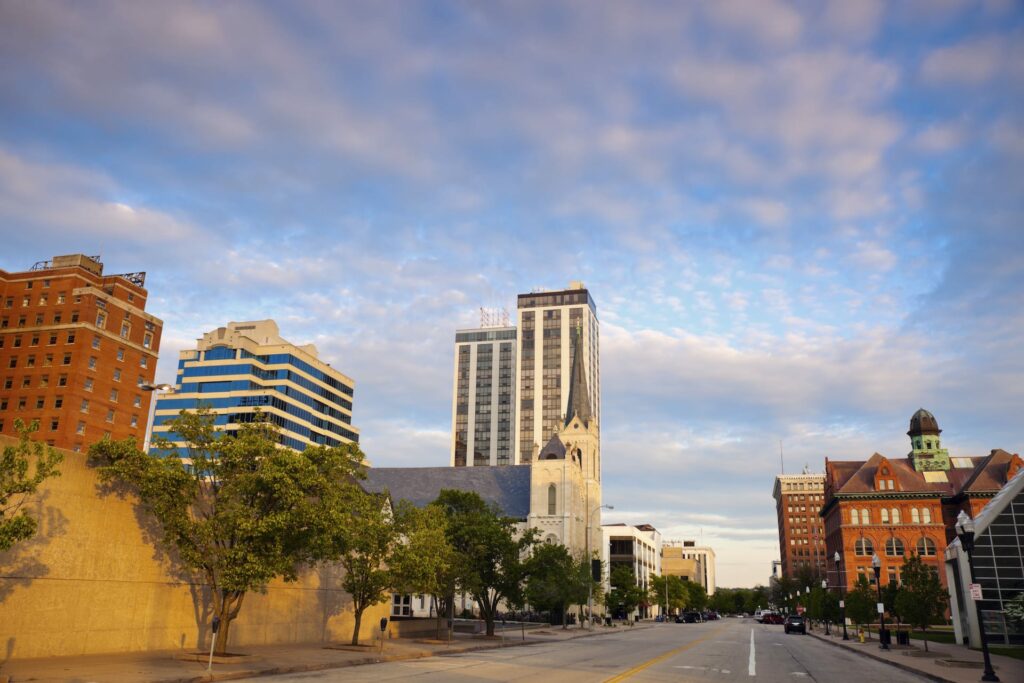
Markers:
point(579, 397)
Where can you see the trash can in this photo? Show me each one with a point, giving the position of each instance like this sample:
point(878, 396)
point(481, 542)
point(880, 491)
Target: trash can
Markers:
point(885, 636)
point(902, 638)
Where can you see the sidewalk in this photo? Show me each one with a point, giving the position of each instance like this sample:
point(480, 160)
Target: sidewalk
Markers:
point(1007, 668)
point(163, 667)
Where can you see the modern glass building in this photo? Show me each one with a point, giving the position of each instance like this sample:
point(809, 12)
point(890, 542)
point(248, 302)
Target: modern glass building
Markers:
point(247, 367)
point(483, 410)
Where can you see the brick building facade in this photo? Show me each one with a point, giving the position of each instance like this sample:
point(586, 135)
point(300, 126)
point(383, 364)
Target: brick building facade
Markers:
point(893, 507)
point(75, 347)
point(798, 500)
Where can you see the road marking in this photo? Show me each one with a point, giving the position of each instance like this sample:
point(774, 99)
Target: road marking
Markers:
point(660, 658)
point(751, 668)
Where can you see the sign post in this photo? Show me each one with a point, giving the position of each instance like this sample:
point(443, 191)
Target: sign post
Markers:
point(215, 626)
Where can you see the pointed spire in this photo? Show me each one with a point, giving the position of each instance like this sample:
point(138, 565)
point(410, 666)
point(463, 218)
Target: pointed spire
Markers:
point(579, 397)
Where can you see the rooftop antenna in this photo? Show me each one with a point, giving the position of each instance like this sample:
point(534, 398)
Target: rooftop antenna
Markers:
point(782, 462)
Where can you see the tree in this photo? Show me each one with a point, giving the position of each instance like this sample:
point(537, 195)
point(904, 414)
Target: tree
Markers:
point(366, 542)
point(923, 599)
point(242, 511)
point(1015, 608)
point(625, 596)
point(23, 468)
point(671, 589)
point(698, 598)
point(890, 598)
point(860, 602)
point(556, 580)
point(490, 556)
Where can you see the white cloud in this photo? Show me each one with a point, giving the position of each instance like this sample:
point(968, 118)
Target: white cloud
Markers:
point(971, 62)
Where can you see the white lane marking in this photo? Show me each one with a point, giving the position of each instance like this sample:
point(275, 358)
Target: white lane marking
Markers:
point(799, 674)
point(751, 668)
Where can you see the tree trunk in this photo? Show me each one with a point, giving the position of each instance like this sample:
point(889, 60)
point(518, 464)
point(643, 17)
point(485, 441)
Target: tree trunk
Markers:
point(230, 605)
point(924, 634)
point(358, 613)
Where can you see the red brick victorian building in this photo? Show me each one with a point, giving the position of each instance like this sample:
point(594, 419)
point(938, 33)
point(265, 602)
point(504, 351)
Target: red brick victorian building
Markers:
point(893, 507)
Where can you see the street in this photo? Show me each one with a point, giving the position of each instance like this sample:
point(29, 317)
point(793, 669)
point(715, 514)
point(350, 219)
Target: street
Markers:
point(725, 650)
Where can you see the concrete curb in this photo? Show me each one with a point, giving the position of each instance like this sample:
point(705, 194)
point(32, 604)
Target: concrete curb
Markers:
point(306, 668)
point(879, 658)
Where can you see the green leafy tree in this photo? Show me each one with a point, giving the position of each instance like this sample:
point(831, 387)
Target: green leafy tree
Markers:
point(23, 468)
point(243, 511)
point(556, 580)
point(890, 598)
point(1015, 608)
point(923, 599)
point(490, 556)
point(860, 602)
point(698, 597)
point(625, 596)
point(671, 589)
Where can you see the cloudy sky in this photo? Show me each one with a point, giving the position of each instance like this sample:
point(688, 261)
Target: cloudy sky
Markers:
point(800, 221)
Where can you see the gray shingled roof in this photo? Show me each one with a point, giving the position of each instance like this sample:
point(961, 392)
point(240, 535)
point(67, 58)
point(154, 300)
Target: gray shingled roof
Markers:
point(507, 486)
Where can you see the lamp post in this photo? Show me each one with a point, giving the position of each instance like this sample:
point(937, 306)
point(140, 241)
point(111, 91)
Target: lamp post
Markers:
point(965, 532)
point(590, 584)
point(166, 388)
point(842, 594)
point(876, 564)
point(824, 597)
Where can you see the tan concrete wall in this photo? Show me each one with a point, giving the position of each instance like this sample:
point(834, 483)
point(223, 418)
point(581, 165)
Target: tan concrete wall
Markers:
point(91, 581)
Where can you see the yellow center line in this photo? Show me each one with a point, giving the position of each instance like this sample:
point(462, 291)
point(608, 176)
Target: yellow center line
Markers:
point(660, 658)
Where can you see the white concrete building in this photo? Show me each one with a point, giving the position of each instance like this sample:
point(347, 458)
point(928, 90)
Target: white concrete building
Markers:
point(638, 547)
point(483, 397)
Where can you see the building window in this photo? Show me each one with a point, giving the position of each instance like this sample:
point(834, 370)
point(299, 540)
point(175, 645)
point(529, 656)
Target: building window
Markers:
point(80, 429)
point(40, 403)
point(62, 381)
point(61, 298)
point(552, 500)
point(894, 547)
point(117, 374)
point(95, 342)
point(88, 383)
point(34, 341)
point(58, 402)
point(113, 395)
point(885, 516)
point(54, 424)
point(895, 515)
point(110, 416)
point(864, 547)
point(85, 406)
point(926, 547)
point(865, 516)
point(144, 362)
point(915, 516)
point(854, 517)
point(137, 402)
point(126, 329)
point(926, 515)
point(135, 421)
point(71, 338)
point(147, 340)
point(92, 362)
point(67, 359)
point(120, 354)
point(101, 319)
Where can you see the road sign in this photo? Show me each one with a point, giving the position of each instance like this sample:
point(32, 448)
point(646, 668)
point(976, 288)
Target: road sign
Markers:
point(976, 591)
point(842, 604)
point(881, 608)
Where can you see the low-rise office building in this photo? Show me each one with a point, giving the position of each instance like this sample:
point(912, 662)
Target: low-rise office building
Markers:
point(637, 547)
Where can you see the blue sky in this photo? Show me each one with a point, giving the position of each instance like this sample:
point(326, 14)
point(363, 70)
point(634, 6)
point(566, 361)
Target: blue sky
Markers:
point(800, 221)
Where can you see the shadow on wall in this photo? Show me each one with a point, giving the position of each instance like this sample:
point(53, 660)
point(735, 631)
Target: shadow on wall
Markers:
point(168, 559)
point(19, 566)
point(331, 597)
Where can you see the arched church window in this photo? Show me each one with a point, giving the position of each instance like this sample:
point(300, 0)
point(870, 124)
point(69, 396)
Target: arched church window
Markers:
point(552, 499)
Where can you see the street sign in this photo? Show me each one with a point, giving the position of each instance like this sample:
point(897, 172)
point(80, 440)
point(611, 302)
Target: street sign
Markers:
point(976, 591)
point(842, 604)
point(881, 608)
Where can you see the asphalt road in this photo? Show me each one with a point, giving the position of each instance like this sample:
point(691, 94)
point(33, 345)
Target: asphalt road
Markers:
point(725, 650)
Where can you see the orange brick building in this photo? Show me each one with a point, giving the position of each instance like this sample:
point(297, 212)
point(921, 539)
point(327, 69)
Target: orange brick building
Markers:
point(75, 346)
point(893, 507)
point(798, 500)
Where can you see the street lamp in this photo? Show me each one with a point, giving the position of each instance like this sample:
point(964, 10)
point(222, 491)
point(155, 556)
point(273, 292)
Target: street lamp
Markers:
point(876, 564)
point(965, 532)
point(166, 388)
point(842, 594)
point(590, 584)
point(824, 598)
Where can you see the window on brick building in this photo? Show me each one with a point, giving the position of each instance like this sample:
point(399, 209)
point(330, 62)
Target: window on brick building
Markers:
point(926, 547)
point(894, 547)
point(926, 515)
point(885, 516)
point(915, 516)
point(864, 547)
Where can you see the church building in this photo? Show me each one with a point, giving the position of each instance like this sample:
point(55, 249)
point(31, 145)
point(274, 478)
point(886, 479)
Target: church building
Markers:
point(558, 493)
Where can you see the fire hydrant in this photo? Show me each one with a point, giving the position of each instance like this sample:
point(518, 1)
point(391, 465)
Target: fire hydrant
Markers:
point(860, 633)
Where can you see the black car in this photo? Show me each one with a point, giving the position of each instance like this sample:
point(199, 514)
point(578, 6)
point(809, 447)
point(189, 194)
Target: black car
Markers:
point(688, 618)
point(794, 622)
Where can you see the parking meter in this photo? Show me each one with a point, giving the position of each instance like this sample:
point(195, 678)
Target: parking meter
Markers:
point(216, 624)
point(383, 624)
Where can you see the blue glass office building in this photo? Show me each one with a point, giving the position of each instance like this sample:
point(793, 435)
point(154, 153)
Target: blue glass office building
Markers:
point(247, 367)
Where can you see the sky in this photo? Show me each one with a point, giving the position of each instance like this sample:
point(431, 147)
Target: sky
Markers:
point(800, 221)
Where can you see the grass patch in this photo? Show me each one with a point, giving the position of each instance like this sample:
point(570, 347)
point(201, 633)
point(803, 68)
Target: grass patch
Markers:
point(930, 636)
point(1015, 652)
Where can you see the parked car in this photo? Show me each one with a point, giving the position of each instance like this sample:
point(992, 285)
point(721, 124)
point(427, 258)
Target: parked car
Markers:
point(794, 623)
point(771, 618)
point(688, 618)
point(710, 616)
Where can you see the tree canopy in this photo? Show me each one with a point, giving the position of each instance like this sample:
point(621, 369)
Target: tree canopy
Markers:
point(241, 511)
point(556, 580)
point(922, 601)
